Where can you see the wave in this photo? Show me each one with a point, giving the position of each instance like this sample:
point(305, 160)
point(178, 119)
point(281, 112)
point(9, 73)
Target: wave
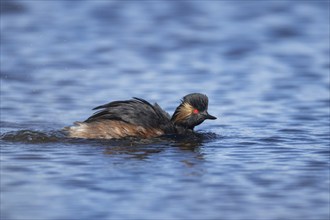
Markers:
point(37, 136)
point(30, 136)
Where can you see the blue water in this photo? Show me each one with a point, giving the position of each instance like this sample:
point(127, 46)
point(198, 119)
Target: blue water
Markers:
point(263, 64)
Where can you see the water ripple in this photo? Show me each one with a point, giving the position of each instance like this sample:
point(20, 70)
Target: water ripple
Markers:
point(263, 65)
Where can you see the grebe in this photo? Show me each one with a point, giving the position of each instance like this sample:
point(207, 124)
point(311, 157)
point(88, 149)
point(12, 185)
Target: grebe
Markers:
point(139, 118)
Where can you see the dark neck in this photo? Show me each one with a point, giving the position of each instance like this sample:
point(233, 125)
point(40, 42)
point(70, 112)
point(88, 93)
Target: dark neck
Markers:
point(183, 130)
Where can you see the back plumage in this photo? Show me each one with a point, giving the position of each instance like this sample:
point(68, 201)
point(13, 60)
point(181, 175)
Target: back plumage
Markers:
point(135, 117)
point(135, 111)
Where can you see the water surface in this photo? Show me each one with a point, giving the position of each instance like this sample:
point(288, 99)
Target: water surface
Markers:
point(264, 66)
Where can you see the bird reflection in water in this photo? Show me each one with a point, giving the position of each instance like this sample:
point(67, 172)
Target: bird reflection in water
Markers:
point(144, 148)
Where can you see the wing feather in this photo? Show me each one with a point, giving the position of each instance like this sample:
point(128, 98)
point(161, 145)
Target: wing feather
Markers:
point(136, 111)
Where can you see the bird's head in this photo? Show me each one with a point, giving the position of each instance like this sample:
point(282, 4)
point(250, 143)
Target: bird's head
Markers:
point(192, 111)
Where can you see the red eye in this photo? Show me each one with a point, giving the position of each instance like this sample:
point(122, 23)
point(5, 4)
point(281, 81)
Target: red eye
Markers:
point(195, 111)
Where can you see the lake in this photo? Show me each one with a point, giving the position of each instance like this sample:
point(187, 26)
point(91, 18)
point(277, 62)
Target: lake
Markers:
point(263, 65)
